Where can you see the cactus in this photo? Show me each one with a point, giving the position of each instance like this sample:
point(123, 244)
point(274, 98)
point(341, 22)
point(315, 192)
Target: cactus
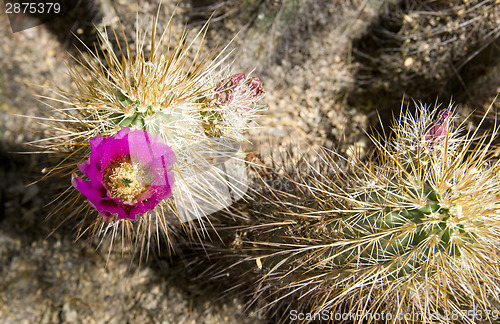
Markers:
point(409, 236)
point(175, 92)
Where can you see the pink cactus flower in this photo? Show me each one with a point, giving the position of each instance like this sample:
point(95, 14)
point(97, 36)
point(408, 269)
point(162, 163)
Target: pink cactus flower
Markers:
point(129, 173)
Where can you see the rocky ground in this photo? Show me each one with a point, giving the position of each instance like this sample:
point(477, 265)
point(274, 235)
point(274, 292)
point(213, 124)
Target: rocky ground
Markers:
point(328, 67)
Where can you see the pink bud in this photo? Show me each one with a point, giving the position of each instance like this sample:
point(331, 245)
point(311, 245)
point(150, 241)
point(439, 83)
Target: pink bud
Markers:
point(437, 131)
point(255, 88)
point(252, 94)
point(224, 92)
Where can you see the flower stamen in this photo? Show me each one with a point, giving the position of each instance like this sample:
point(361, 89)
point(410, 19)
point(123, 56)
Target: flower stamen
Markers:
point(123, 181)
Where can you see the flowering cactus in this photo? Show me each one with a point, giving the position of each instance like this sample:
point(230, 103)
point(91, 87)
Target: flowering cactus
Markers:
point(411, 236)
point(163, 136)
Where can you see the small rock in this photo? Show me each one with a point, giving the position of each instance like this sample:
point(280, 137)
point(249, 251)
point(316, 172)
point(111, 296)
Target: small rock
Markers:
point(69, 315)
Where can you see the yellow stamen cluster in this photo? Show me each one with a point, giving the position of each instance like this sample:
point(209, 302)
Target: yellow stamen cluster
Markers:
point(123, 181)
